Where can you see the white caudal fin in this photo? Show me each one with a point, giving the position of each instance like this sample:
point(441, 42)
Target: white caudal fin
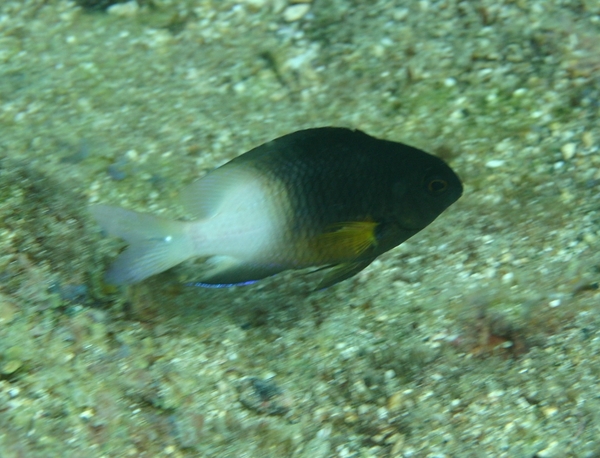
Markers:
point(155, 244)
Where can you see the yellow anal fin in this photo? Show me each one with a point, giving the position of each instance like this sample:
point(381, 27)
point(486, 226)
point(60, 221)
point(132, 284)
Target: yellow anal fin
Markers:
point(347, 240)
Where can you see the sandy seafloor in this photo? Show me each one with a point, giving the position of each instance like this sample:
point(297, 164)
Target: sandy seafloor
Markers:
point(479, 337)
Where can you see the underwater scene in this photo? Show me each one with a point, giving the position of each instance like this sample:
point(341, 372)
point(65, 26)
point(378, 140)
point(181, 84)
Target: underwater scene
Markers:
point(299, 228)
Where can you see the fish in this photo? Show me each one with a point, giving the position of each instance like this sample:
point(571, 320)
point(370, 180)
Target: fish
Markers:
point(329, 198)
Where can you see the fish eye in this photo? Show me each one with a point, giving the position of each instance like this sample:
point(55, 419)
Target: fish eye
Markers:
point(437, 185)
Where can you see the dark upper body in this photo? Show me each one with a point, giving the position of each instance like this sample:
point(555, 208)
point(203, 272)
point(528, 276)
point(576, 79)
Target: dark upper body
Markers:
point(337, 176)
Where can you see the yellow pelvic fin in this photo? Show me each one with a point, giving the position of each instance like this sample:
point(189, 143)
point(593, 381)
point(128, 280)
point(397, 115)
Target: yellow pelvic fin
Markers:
point(347, 240)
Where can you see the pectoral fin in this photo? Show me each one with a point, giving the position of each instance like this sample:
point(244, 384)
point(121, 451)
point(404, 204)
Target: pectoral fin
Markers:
point(347, 240)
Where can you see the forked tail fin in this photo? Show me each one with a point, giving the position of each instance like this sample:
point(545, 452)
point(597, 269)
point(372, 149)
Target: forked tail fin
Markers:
point(155, 244)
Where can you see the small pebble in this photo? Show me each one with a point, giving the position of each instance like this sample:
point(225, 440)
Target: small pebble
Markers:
point(7, 311)
point(398, 444)
point(295, 12)
point(554, 303)
point(508, 277)
point(568, 151)
point(11, 367)
point(494, 163)
point(449, 82)
point(395, 401)
point(257, 3)
point(552, 450)
point(263, 396)
point(400, 14)
point(86, 414)
point(128, 9)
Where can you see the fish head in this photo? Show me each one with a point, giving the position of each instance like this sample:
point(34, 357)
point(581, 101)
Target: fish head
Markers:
point(425, 195)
